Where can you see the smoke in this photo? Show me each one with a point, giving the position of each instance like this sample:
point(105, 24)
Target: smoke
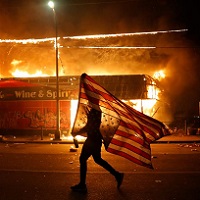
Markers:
point(182, 81)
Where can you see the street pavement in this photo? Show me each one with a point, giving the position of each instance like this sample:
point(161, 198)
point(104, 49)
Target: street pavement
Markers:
point(35, 168)
point(173, 138)
point(39, 171)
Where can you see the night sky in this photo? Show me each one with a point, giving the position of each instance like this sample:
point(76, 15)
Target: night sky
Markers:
point(32, 18)
point(178, 54)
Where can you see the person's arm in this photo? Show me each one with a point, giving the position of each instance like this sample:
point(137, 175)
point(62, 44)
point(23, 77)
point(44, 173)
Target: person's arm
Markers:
point(82, 132)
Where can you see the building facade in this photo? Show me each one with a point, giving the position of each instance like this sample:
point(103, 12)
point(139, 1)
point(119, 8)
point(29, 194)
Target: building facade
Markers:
point(28, 105)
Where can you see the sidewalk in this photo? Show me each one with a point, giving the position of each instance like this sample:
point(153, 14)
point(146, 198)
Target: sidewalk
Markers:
point(34, 139)
point(179, 139)
point(173, 138)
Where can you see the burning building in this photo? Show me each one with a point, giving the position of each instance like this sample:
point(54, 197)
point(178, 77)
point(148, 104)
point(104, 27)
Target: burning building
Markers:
point(28, 105)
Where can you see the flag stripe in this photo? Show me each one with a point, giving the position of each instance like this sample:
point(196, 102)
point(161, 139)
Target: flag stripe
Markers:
point(150, 122)
point(95, 88)
point(132, 137)
point(129, 156)
point(127, 144)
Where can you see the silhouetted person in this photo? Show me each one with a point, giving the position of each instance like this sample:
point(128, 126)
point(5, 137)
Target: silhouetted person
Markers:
point(92, 147)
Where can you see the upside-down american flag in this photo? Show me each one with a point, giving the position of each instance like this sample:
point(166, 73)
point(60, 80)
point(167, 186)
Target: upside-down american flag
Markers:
point(125, 131)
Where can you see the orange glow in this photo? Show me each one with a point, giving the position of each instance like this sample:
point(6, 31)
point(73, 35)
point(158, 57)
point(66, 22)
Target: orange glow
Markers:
point(24, 73)
point(28, 41)
point(145, 106)
point(16, 62)
point(159, 75)
point(21, 73)
point(152, 91)
point(74, 104)
point(142, 105)
point(83, 37)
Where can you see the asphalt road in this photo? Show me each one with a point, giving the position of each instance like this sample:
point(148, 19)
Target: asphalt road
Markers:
point(46, 171)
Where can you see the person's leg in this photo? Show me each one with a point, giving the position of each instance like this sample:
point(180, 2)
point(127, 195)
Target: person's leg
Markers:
point(85, 154)
point(98, 159)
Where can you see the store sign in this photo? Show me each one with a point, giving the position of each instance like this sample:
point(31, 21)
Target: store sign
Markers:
point(36, 93)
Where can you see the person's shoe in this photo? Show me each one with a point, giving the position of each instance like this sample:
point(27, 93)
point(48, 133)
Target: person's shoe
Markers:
point(119, 179)
point(79, 188)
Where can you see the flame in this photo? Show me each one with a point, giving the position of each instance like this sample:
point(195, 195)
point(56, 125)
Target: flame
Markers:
point(73, 109)
point(159, 75)
point(111, 47)
point(28, 41)
point(145, 106)
point(21, 73)
point(16, 62)
point(18, 72)
point(83, 37)
point(152, 91)
point(36, 41)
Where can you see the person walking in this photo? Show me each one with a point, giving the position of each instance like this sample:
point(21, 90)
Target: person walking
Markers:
point(92, 147)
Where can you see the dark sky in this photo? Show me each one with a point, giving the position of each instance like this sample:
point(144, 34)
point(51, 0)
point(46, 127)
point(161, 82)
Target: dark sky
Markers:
point(178, 54)
point(28, 18)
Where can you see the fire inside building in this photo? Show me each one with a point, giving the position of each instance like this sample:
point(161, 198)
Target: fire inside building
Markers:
point(28, 105)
